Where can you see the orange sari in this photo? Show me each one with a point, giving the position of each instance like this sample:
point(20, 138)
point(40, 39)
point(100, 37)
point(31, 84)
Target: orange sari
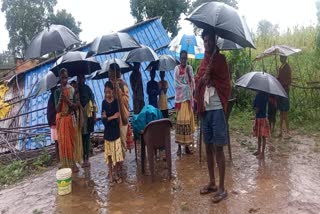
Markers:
point(66, 132)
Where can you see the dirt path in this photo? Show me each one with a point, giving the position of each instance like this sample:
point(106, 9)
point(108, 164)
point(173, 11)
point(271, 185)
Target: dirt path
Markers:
point(287, 181)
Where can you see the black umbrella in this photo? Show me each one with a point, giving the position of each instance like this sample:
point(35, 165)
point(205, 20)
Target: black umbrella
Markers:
point(165, 63)
point(103, 73)
point(225, 45)
point(260, 81)
point(46, 83)
point(76, 62)
point(55, 38)
point(225, 20)
point(113, 43)
point(142, 54)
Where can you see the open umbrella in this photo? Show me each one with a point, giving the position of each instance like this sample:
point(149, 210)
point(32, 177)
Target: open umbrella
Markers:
point(142, 54)
point(113, 43)
point(225, 20)
point(282, 50)
point(261, 81)
point(165, 63)
point(55, 38)
point(190, 43)
point(103, 73)
point(225, 45)
point(46, 83)
point(76, 62)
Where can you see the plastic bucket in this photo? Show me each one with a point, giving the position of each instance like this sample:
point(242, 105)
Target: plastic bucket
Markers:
point(64, 181)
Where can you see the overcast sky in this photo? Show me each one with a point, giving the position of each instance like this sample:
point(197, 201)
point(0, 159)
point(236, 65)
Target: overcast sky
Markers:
point(99, 17)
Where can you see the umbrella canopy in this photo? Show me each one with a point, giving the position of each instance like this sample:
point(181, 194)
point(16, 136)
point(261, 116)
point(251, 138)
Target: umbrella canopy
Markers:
point(142, 54)
point(46, 83)
point(225, 20)
point(261, 81)
point(165, 63)
point(282, 50)
point(103, 73)
point(113, 43)
point(225, 45)
point(55, 38)
point(190, 43)
point(76, 62)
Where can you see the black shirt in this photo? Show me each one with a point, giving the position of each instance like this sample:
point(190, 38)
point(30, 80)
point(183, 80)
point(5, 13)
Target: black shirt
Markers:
point(85, 94)
point(111, 127)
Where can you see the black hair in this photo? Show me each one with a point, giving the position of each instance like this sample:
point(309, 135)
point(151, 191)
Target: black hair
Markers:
point(183, 52)
point(73, 82)
point(163, 72)
point(63, 70)
point(108, 84)
point(114, 67)
point(208, 32)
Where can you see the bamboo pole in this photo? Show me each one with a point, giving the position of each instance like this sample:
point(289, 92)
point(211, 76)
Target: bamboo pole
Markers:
point(19, 115)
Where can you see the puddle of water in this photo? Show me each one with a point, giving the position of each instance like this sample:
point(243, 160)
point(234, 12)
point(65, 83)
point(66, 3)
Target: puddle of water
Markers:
point(279, 184)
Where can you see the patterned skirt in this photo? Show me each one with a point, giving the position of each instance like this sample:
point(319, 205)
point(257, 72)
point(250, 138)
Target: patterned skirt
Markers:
point(185, 124)
point(261, 128)
point(113, 149)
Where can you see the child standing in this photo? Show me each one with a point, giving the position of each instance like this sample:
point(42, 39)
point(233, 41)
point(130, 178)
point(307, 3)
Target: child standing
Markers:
point(163, 100)
point(261, 128)
point(112, 142)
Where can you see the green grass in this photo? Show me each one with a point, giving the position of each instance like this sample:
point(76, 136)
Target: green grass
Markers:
point(17, 169)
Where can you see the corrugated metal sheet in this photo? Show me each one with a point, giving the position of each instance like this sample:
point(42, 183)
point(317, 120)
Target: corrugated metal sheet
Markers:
point(150, 33)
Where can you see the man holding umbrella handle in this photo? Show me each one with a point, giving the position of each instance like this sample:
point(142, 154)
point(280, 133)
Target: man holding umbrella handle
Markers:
point(212, 93)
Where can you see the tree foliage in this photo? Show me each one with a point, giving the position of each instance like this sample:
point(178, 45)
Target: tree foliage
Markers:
point(62, 17)
point(6, 59)
point(25, 18)
point(266, 31)
point(169, 10)
point(318, 27)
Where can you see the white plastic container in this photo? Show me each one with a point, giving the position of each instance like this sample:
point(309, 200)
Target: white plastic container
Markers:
point(64, 181)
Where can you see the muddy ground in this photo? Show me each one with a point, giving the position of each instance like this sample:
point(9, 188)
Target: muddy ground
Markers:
point(287, 181)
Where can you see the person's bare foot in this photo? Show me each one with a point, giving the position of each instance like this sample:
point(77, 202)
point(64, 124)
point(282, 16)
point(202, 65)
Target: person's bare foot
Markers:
point(256, 153)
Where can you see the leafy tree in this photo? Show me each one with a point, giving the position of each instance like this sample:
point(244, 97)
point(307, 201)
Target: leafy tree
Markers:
point(6, 59)
point(62, 17)
point(267, 31)
point(318, 27)
point(170, 10)
point(232, 3)
point(25, 18)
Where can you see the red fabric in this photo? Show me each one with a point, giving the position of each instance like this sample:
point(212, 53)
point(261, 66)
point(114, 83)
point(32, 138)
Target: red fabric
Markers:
point(177, 106)
point(284, 76)
point(261, 128)
point(219, 73)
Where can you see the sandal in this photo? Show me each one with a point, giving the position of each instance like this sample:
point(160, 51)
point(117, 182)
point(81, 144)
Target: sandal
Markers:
point(208, 189)
point(219, 196)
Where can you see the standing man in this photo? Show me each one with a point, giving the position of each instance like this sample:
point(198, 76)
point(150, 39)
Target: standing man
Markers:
point(284, 77)
point(89, 106)
point(153, 89)
point(213, 91)
point(137, 88)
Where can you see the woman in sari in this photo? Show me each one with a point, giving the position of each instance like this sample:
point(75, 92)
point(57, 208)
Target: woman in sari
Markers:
point(65, 105)
point(184, 87)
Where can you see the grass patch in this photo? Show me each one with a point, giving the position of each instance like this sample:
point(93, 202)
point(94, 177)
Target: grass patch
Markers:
point(241, 121)
point(17, 169)
point(12, 172)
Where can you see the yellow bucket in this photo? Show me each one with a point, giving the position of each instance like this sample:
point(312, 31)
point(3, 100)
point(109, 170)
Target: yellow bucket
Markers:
point(64, 181)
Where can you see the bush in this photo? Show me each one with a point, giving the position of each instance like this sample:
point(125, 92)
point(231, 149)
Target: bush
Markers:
point(12, 172)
